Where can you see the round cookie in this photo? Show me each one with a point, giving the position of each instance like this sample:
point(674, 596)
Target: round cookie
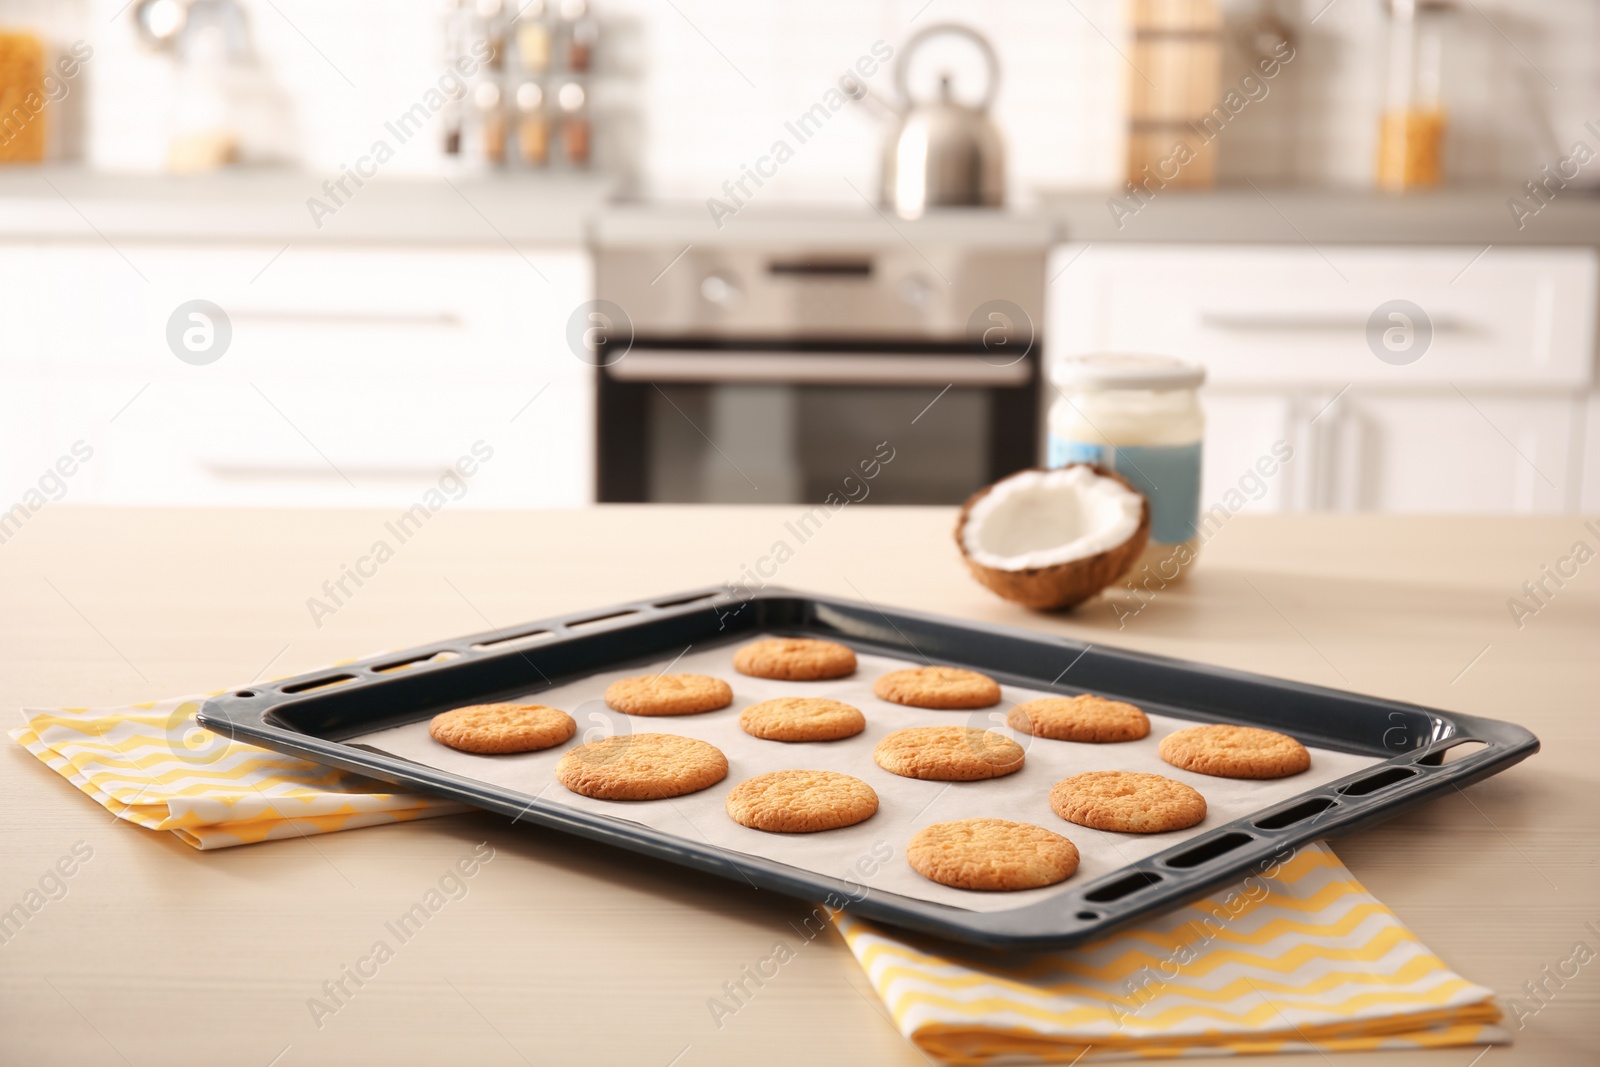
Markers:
point(802, 719)
point(641, 767)
point(1127, 802)
point(991, 854)
point(948, 753)
point(668, 694)
point(795, 659)
point(1088, 718)
point(497, 729)
point(801, 802)
point(1235, 752)
point(938, 687)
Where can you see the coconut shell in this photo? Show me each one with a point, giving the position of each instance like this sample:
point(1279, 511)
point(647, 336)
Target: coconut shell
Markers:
point(1063, 585)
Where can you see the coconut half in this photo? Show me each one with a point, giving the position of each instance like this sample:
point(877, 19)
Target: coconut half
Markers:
point(1053, 539)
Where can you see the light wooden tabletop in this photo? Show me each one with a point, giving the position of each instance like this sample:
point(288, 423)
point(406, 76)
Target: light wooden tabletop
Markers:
point(565, 951)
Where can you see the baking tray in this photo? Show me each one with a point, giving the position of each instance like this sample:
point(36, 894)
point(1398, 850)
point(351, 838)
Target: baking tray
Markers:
point(318, 715)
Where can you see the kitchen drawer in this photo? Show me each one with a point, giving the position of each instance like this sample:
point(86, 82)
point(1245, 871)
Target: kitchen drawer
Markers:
point(27, 443)
point(354, 377)
point(23, 321)
point(263, 444)
point(1589, 440)
point(309, 313)
point(1256, 314)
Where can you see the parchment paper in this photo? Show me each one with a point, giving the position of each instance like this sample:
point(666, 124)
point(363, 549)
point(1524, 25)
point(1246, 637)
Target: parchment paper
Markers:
point(905, 804)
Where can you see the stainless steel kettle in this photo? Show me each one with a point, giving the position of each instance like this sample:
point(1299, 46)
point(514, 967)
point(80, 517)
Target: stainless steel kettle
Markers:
point(943, 153)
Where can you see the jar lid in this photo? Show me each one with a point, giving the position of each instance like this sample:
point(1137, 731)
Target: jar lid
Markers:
point(1127, 370)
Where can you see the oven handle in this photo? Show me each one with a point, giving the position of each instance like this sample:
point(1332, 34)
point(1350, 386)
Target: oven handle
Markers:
point(815, 368)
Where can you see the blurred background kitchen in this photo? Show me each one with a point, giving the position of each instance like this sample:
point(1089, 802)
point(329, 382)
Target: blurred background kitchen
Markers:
point(295, 253)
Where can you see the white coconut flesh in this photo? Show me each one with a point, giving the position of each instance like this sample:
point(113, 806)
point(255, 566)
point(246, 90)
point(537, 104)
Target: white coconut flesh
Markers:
point(1046, 518)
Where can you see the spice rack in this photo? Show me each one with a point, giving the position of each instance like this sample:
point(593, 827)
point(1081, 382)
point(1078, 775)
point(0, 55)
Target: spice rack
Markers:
point(527, 104)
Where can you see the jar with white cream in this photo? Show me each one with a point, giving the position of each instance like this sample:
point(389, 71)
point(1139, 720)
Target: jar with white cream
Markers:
point(1140, 416)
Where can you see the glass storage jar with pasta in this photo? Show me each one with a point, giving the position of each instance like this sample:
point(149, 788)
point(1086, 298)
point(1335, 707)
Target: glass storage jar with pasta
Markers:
point(1140, 416)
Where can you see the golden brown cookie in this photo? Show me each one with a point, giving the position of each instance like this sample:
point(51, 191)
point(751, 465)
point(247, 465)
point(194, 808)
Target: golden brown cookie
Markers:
point(948, 753)
point(802, 719)
point(1127, 802)
point(668, 694)
point(801, 802)
point(641, 767)
point(1080, 718)
point(795, 659)
point(496, 729)
point(991, 854)
point(1235, 752)
point(938, 687)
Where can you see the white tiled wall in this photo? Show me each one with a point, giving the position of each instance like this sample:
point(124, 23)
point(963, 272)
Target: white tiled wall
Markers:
point(330, 73)
point(1520, 79)
point(696, 88)
point(1058, 103)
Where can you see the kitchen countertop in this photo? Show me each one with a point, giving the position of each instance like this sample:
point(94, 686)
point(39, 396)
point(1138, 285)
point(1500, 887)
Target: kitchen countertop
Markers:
point(1269, 215)
point(565, 210)
point(270, 205)
point(565, 951)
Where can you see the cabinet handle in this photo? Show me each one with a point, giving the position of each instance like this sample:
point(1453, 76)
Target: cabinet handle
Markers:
point(1331, 453)
point(1349, 448)
point(856, 368)
point(293, 472)
point(1307, 322)
point(443, 320)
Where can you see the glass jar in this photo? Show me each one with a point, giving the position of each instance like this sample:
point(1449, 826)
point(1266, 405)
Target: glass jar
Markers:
point(1412, 128)
point(1140, 416)
point(533, 128)
point(533, 38)
point(571, 99)
point(487, 97)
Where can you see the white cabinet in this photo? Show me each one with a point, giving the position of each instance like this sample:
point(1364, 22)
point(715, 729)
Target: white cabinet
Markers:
point(1589, 493)
point(1490, 417)
point(1240, 429)
point(1457, 452)
point(354, 377)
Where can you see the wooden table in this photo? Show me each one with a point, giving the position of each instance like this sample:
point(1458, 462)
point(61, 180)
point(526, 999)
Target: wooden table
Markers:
point(568, 952)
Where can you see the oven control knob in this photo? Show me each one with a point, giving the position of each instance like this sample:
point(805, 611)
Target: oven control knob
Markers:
point(720, 290)
point(915, 292)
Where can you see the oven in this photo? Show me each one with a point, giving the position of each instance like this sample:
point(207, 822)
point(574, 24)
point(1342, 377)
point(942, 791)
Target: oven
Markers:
point(757, 374)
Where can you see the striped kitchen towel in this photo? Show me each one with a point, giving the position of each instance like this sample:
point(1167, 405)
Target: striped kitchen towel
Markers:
point(151, 764)
point(1297, 958)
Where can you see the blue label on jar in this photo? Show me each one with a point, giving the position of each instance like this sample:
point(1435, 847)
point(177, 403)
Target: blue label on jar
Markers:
point(1169, 475)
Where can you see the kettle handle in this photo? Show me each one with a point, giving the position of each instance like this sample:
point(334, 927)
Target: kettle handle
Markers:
point(954, 29)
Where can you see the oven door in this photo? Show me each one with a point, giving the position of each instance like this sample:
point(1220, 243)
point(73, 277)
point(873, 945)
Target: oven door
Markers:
point(786, 423)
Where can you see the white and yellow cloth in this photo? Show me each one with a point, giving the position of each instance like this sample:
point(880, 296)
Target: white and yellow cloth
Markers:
point(151, 765)
point(1306, 959)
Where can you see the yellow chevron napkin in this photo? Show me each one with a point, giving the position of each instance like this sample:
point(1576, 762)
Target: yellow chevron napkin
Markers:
point(151, 764)
point(1297, 958)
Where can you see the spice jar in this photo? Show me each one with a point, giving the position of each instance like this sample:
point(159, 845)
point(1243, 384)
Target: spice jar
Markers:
point(533, 38)
point(494, 32)
point(1412, 127)
point(582, 32)
point(533, 127)
point(452, 131)
point(1140, 416)
point(575, 125)
point(486, 96)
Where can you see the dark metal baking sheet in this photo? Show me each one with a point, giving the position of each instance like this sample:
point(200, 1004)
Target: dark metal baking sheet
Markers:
point(315, 715)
